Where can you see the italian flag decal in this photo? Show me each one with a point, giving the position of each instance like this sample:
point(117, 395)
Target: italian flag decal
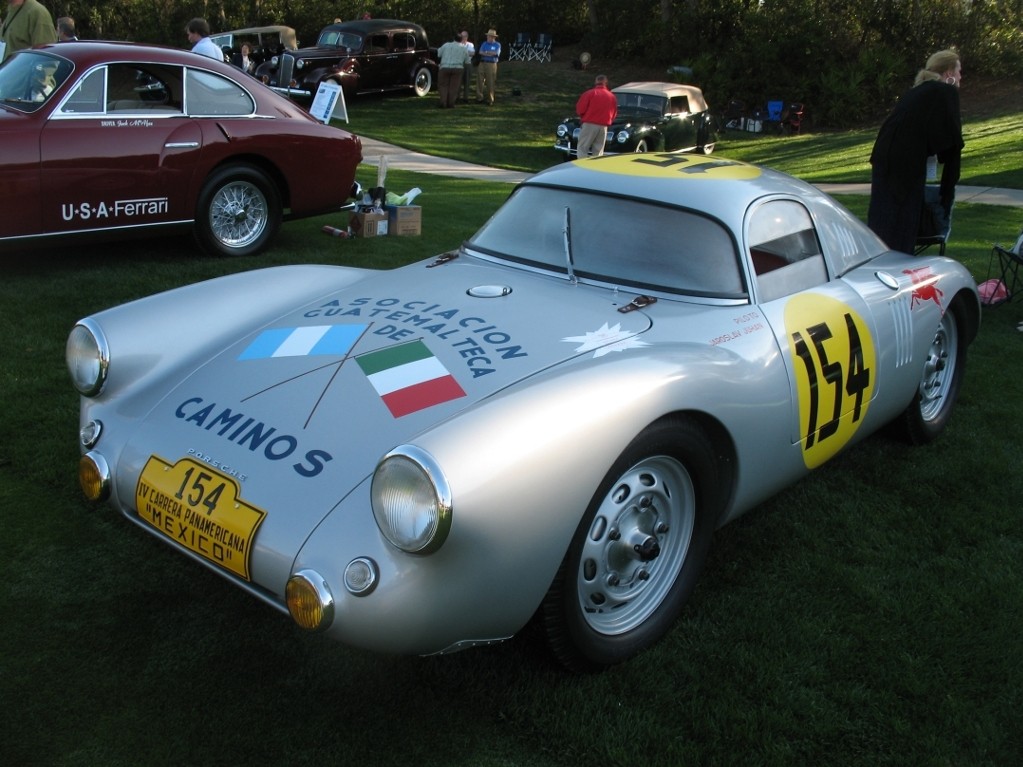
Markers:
point(409, 378)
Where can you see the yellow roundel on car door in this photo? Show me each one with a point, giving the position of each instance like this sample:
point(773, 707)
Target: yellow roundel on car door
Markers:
point(834, 368)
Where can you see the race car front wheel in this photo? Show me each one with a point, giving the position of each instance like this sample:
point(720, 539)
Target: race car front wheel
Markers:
point(638, 550)
point(238, 213)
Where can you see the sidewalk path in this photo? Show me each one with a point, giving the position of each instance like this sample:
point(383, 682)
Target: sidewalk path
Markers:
point(406, 159)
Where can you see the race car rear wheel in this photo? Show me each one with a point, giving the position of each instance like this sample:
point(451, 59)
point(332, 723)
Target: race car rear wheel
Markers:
point(638, 550)
point(931, 408)
point(423, 81)
point(238, 213)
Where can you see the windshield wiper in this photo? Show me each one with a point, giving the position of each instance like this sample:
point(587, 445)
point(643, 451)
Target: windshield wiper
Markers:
point(569, 260)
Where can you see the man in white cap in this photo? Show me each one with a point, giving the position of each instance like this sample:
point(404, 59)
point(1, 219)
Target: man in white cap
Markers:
point(486, 72)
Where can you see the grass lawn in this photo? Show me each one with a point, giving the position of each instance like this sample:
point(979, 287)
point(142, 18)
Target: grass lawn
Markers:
point(870, 615)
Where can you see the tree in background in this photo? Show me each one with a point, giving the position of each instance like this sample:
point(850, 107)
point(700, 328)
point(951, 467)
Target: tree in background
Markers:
point(848, 59)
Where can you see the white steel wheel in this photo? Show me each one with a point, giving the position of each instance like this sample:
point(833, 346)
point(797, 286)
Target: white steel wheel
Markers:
point(636, 545)
point(929, 412)
point(638, 550)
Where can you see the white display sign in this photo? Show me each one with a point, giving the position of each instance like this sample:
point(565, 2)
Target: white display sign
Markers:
point(329, 98)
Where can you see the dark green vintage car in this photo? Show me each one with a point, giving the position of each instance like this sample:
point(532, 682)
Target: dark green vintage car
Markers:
point(652, 117)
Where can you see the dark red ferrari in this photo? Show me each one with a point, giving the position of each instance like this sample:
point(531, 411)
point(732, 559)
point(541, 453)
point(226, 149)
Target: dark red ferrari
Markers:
point(99, 140)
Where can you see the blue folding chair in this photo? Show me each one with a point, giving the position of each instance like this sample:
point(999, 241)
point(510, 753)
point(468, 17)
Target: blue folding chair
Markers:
point(520, 48)
point(541, 49)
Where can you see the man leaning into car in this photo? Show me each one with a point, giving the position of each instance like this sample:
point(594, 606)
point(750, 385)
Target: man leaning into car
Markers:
point(596, 108)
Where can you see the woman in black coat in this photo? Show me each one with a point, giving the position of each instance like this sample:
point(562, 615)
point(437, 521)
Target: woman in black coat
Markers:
point(925, 122)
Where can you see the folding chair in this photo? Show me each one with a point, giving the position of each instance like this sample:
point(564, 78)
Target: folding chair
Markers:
point(935, 226)
point(793, 121)
point(520, 48)
point(774, 111)
point(541, 49)
point(1010, 271)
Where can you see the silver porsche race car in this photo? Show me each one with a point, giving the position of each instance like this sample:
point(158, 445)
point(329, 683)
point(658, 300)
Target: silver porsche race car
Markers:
point(549, 421)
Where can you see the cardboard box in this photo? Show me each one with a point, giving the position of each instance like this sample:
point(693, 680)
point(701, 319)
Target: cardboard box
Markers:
point(404, 220)
point(368, 224)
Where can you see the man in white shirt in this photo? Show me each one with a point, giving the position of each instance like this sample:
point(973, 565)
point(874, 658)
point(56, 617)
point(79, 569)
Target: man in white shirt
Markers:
point(198, 31)
point(468, 79)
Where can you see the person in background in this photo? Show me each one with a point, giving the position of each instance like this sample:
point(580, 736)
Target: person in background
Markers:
point(66, 30)
point(452, 57)
point(926, 121)
point(26, 23)
point(198, 31)
point(486, 72)
point(467, 80)
point(243, 59)
point(596, 108)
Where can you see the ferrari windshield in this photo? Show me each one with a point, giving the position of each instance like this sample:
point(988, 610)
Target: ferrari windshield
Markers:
point(28, 78)
point(614, 240)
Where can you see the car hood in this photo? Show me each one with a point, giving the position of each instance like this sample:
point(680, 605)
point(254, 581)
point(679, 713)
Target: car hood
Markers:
point(315, 52)
point(300, 410)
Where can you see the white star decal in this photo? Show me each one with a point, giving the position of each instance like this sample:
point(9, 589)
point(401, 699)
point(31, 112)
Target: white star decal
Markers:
point(607, 339)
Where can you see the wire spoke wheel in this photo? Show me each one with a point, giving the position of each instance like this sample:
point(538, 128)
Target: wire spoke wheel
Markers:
point(238, 214)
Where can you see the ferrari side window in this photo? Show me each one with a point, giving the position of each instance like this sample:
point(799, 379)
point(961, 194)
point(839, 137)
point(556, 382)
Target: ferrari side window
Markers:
point(213, 95)
point(87, 96)
point(147, 88)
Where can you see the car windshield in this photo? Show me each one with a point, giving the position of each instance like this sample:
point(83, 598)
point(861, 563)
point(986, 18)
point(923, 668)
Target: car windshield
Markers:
point(29, 78)
point(614, 240)
point(335, 38)
point(641, 102)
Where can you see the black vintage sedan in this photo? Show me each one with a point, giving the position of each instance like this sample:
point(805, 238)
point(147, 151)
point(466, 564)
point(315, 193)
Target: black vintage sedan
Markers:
point(366, 56)
point(652, 117)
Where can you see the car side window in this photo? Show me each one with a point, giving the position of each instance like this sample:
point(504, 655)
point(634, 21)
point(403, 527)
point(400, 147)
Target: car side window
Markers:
point(679, 105)
point(207, 94)
point(87, 97)
point(145, 88)
point(784, 250)
point(404, 42)
point(376, 44)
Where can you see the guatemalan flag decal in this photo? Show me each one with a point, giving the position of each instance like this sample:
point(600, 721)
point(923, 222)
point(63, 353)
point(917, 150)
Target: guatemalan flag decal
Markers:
point(409, 378)
point(335, 340)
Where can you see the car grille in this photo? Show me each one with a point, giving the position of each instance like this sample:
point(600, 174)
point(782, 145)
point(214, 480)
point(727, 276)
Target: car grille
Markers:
point(285, 70)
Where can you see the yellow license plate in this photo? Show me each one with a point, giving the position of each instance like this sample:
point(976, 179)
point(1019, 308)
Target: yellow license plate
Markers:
point(200, 508)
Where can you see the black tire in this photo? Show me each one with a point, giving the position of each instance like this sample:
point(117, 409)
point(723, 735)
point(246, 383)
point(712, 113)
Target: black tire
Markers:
point(638, 551)
point(929, 412)
point(641, 147)
point(422, 81)
point(238, 213)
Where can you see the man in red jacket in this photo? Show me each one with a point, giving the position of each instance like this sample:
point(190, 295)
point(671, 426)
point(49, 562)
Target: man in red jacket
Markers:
point(596, 108)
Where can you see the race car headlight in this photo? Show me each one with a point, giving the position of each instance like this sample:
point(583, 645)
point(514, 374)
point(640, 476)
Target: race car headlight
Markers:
point(562, 130)
point(88, 357)
point(623, 136)
point(300, 64)
point(411, 500)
